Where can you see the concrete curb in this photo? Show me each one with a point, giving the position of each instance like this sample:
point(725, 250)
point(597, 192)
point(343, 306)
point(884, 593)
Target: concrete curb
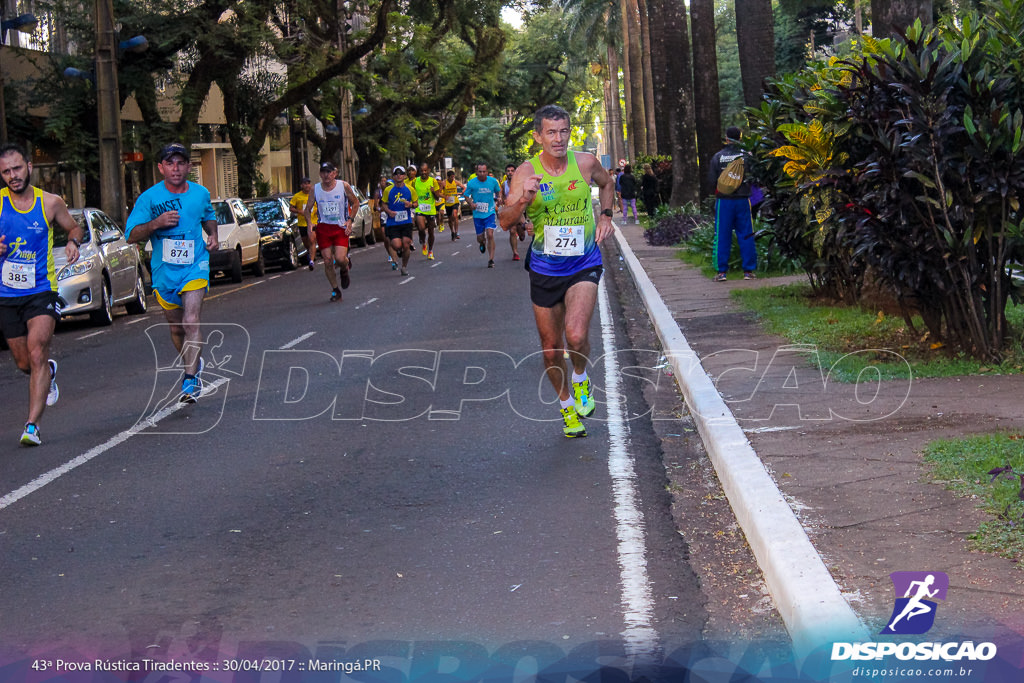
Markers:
point(806, 595)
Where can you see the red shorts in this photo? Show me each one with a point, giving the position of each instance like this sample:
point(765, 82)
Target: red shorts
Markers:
point(330, 235)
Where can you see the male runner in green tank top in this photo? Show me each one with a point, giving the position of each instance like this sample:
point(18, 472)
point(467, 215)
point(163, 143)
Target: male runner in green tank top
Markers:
point(426, 209)
point(564, 259)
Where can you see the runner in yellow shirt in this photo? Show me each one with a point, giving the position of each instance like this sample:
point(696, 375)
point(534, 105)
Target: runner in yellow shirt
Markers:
point(451, 190)
point(296, 204)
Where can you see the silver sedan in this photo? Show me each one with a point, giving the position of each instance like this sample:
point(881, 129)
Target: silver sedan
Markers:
point(108, 271)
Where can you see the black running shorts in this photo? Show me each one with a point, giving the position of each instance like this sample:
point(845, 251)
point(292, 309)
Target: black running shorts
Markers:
point(16, 311)
point(547, 291)
point(397, 232)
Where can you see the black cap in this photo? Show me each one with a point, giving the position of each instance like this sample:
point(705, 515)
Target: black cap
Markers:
point(328, 166)
point(733, 133)
point(170, 150)
point(304, 180)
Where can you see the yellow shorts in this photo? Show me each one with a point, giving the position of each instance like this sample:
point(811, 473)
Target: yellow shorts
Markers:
point(171, 300)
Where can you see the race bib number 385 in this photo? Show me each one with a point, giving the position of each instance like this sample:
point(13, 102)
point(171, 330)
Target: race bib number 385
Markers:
point(19, 275)
point(563, 240)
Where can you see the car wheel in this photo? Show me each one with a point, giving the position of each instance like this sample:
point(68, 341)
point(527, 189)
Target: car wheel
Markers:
point(236, 267)
point(368, 236)
point(292, 262)
point(260, 266)
point(104, 315)
point(138, 305)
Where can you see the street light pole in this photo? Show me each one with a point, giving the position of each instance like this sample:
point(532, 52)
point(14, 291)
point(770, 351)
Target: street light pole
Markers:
point(108, 110)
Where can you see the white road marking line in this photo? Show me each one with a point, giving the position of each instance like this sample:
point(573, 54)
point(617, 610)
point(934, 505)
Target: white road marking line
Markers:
point(436, 264)
point(94, 334)
point(765, 430)
point(48, 477)
point(366, 303)
point(298, 340)
point(641, 639)
point(408, 279)
point(140, 319)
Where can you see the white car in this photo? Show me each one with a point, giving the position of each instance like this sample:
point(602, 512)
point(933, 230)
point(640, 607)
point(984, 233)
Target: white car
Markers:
point(239, 240)
point(108, 272)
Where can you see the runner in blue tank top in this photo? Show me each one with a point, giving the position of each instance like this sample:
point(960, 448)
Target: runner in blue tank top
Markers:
point(564, 259)
point(29, 305)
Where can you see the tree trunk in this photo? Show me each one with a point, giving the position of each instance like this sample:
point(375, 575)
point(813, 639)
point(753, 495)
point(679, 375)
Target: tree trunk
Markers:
point(618, 143)
point(888, 15)
point(661, 62)
point(755, 36)
point(636, 135)
point(647, 55)
point(679, 91)
point(705, 86)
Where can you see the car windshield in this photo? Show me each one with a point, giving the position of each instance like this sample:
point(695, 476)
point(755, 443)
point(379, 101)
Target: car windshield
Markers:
point(266, 211)
point(224, 215)
point(60, 237)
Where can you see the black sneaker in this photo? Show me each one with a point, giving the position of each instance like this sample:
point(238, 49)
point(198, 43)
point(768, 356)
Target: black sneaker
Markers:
point(490, 264)
point(336, 295)
point(345, 279)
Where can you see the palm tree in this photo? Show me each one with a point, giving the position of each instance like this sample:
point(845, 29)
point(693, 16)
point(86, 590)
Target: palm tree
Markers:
point(708, 110)
point(674, 82)
point(633, 59)
point(600, 20)
point(887, 14)
point(647, 53)
point(755, 35)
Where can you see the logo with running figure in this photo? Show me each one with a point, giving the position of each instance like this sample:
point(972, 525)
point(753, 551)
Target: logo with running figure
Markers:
point(914, 612)
point(547, 191)
point(571, 186)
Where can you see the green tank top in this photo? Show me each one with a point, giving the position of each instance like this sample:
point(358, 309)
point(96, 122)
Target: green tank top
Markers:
point(564, 229)
point(425, 190)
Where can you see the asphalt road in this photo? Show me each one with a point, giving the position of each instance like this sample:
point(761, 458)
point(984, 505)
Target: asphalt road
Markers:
point(382, 476)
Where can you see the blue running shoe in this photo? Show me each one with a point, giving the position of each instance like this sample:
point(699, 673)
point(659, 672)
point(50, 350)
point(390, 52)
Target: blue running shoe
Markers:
point(191, 389)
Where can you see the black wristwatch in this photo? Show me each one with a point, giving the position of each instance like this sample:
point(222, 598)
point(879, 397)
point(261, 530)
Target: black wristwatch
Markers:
point(75, 242)
point(607, 212)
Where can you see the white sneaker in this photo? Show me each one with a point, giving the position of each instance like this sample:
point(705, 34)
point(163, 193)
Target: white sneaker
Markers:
point(51, 398)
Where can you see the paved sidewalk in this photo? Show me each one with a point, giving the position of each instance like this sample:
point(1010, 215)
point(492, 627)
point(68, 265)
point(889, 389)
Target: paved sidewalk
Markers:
point(848, 460)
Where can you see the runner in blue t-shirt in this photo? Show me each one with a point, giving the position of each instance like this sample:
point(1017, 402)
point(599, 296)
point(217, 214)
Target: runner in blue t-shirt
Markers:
point(176, 215)
point(482, 193)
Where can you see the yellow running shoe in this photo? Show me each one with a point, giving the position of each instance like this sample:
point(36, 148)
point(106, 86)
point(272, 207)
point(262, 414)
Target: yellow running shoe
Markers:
point(573, 427)
point(584, 404)
point(430, 255)
point(424, 250)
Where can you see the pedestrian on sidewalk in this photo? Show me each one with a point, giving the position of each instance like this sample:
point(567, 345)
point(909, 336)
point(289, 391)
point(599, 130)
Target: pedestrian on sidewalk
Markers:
point(729, 171)
point(627, 192)
point(649, 190)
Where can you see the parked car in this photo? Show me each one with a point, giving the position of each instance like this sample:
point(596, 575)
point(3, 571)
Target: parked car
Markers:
point(279, 232)
point(362, 222)
point(239, 241)
point(108, 272)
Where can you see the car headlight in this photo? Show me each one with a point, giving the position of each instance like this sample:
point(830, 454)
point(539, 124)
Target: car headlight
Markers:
point(74, 269)
point(223, 245)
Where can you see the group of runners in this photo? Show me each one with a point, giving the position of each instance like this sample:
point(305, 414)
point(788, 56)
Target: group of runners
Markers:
point(549, 195)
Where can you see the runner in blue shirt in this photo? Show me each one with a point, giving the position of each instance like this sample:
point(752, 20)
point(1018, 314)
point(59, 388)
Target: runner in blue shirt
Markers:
point(177, 216)
point(482, 193)
point(29, 304)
